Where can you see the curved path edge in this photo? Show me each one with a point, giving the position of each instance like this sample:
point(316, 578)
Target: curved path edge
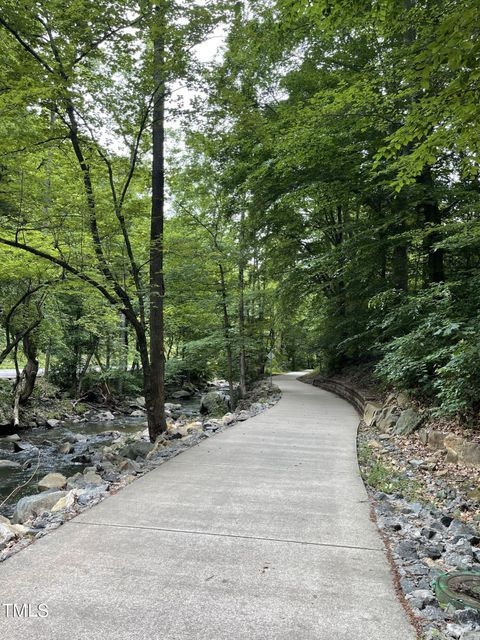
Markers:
point(261, 533)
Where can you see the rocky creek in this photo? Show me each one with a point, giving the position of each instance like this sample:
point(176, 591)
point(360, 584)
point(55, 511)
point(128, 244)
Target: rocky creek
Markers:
point(61, 471)
point(66, 447)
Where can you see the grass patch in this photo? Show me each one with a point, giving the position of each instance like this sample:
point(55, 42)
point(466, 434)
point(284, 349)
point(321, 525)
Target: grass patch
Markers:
point(384, 478)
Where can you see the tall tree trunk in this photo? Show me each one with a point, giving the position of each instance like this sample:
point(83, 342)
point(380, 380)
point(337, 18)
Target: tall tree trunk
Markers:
point(84, 369)
point(108, 351)
point(226, 333)
point(400, 267)
point(48, 354)
point(155, 378)
point(241, 313)
point(432, 216)
point(123, 352)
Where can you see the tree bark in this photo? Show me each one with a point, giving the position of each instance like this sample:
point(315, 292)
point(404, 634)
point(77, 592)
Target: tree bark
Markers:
point(26, 384)
point(48, 353)
point(226, 333)
point(400, 267)
point(241, 314)
point(154, 377)
point(432, 216)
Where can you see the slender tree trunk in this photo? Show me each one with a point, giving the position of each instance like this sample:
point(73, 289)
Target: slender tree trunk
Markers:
point(241, 314)
point(432, 216)
point(400, 267)
point(123, 352)
point(84, 369)
point(108, 351)
point(48, 351)
point(226, 333)
point(26, 384)
point(155, 376)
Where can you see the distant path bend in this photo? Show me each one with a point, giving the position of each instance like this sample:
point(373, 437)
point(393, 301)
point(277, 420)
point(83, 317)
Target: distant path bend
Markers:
point(259, 533)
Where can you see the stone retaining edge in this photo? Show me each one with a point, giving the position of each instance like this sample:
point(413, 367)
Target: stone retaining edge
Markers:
point(347, 392)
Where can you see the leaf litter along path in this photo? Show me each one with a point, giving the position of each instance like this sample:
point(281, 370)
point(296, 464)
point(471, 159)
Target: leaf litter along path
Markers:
point(262, 532)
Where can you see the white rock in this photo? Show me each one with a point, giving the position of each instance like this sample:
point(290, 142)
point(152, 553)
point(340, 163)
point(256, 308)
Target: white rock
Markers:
point(6, 534)
point(13, 438)
point(52, 481)
point(66, 502)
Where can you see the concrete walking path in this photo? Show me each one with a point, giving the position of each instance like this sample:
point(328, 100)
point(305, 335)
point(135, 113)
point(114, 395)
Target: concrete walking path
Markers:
point(259, 533)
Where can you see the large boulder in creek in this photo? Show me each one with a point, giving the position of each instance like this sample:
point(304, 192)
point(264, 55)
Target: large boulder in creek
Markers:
point(35, 505)
point(181, 393)
point(215, 403)
point(52, 481)
point(408, 422)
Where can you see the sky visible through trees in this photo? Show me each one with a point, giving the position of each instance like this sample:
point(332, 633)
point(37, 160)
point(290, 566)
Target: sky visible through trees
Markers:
point(320, 199)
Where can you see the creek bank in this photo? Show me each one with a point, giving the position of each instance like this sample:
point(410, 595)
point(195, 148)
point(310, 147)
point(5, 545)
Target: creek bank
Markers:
point(111, 465)
point(425, 501)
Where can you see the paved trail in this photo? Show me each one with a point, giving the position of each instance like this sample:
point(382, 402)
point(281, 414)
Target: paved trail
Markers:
point(259, 533)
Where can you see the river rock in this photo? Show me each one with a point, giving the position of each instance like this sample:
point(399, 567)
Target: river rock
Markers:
point(74, 481)
point(35, 505)
point(181, 393)
point(408, 422)
point(64, 503)
point(14, 437)
point(9, 464)
point(159, 445)
point(52, 423)
point(52, 481)
point(105, 416)
point(138, 413)
point(66, 448)
point(24, 446)
point(241, 416)
point(6, 534)
point(92, 478)
point(134, 450)
point(129, 466)
point(215, 403)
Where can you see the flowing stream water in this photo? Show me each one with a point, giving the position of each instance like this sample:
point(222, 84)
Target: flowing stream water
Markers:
point(41, 448)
